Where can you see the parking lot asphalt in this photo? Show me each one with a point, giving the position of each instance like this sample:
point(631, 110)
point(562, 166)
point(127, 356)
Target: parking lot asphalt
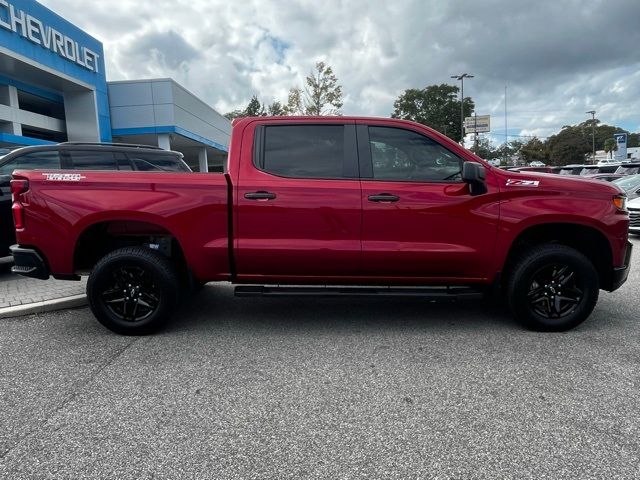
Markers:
point(319, 388)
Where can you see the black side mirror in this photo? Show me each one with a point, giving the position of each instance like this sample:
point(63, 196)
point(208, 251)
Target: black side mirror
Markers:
point(475, 175)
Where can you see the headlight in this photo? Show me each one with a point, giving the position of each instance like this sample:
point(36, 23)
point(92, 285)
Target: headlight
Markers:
point(620, 201)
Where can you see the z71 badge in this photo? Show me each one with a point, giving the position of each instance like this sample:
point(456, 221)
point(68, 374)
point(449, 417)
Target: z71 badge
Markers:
point(522, 183)
point(64, 177)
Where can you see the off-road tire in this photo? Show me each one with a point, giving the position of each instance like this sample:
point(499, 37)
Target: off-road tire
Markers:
point(532, 299)
point(144, 278)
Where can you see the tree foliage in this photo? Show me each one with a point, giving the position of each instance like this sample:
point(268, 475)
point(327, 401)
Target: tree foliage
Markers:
point(484, 149)
point(276, 109)
point(573, 144)
point(570, 145)
point(322, 94)
point(610, 146)
point(256, 109)
point(437, 106)
point(534, 149)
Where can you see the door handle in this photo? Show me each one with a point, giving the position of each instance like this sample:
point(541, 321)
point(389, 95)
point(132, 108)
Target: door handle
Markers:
point(384, 198)
point(260, 196)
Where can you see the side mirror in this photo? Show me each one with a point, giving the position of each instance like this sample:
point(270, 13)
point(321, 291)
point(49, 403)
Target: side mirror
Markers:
point(475, 175)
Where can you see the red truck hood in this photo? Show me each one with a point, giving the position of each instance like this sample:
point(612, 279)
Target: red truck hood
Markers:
point(552, 181)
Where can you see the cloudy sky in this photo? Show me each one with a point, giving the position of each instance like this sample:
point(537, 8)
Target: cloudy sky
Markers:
point(558, 58)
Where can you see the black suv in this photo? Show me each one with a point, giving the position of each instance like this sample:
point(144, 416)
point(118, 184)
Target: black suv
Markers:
point(78, 156)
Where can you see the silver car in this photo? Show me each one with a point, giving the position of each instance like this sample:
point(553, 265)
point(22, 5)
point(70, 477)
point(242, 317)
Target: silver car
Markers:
point(630, 184)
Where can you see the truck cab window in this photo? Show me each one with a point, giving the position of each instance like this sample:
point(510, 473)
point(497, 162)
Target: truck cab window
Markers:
point(304, 151)
point(31, 161)
point(403, 155)
point(92, 160)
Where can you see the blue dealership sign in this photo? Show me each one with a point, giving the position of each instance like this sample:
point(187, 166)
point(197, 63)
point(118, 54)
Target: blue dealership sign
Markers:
point(621, 142)
point(43, 38)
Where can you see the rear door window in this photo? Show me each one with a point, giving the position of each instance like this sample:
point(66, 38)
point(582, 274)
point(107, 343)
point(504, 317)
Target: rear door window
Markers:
point(92, 160)
point(304, 151)
point(47, 159)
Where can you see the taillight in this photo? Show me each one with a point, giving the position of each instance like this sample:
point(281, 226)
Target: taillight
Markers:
point(18, 187)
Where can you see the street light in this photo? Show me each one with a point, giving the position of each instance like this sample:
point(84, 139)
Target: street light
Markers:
point(593, 133)
point(461, 78)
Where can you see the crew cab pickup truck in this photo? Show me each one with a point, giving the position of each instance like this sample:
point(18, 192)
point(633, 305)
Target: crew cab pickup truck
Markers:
point(370, 206)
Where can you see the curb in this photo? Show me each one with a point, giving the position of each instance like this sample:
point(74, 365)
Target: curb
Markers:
point(43, 307)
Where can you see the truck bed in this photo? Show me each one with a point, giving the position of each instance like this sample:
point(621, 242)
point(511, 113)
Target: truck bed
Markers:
point(192, 207)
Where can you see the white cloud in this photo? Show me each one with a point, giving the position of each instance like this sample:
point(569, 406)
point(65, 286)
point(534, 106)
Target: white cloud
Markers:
point(559, 59)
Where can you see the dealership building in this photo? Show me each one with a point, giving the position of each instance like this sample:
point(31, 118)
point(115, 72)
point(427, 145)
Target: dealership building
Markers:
point(53, 88)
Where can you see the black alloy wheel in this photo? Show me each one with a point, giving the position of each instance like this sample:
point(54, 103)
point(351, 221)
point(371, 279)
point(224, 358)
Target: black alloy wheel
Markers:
point(555, 291)
point(552, 287)
point(133, 290)
point(132, 295)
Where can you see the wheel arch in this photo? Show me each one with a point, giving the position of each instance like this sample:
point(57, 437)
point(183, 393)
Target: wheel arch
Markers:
point(101, 237)
point(586, 239)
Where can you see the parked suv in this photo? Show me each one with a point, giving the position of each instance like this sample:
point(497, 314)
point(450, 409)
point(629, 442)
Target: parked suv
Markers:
point(78, 156)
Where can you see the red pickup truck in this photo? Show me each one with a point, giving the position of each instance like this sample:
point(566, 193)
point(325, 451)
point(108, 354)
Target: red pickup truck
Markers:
point(329, 206)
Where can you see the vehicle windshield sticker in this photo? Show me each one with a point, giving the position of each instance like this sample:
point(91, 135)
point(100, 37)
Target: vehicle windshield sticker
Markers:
point(522, 183)
point(64, 177)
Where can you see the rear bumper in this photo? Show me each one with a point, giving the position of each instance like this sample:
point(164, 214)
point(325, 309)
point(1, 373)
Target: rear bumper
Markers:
point(28, 263)
point(620, 274)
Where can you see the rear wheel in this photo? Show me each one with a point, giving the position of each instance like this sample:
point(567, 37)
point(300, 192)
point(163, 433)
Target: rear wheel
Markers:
point(133, 291)
point(553, 288)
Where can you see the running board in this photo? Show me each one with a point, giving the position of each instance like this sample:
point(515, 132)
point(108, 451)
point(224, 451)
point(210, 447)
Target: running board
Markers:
point(429, 293)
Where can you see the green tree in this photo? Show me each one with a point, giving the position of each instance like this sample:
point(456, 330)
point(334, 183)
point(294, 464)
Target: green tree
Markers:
point(294, 102)
point(610, 146)
point(276, 109)
point(485, 149)
point(570, 145)
point(234, 114)
point(436, 106)
point(534, 149)
point(253, 109)
point(256, 109)
point(322, 95)
point(605, 132)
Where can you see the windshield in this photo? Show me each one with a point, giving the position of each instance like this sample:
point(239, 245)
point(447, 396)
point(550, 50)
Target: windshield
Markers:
point(628, 183)
point(628, 170)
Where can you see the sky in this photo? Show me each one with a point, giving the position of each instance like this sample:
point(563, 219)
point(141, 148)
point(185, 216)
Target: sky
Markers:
point(557, 58)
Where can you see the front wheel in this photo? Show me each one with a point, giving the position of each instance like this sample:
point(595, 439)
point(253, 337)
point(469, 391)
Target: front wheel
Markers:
point(133, 291)
point(553, 288)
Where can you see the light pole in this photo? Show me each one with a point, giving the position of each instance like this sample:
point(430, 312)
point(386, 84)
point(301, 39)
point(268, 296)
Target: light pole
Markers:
point(593, 134)
point(461, 78)
point(450, 124)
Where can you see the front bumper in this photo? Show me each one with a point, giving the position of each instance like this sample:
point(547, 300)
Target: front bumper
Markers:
point(620, 274)
point(28, 263)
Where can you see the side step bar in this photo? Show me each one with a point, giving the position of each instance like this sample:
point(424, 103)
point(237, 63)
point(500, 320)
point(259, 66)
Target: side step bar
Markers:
point(429, 293)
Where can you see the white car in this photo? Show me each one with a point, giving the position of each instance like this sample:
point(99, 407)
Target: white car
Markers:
point(537, 164)
point(634, 215)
